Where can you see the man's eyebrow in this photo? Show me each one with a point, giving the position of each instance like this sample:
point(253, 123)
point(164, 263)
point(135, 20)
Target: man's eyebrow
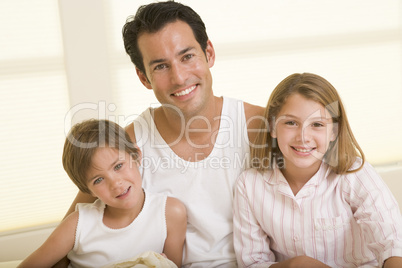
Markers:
point(184, 51)
point(153, 62)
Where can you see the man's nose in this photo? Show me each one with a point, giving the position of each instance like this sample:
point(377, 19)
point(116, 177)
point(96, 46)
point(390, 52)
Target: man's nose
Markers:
point(177, 73)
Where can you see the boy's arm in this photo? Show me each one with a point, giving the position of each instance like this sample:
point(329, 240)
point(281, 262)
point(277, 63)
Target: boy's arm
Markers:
point(59, 243)
point(80, 198)
point(176, 221)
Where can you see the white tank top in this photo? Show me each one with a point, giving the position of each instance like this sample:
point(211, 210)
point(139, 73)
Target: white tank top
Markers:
point(97, 245)
point(205, 187)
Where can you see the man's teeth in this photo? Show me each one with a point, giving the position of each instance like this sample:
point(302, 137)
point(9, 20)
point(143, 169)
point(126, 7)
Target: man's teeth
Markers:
point(184, 92)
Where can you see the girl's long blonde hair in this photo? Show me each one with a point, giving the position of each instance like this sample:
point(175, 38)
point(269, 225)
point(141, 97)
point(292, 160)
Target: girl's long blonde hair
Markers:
point(342, 152)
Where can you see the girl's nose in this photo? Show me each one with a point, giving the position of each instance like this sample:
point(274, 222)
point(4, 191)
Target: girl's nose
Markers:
point(305, 135)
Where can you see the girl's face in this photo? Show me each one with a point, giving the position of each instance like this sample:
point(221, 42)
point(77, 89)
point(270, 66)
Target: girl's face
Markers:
point(304, 130)
point(115, 179)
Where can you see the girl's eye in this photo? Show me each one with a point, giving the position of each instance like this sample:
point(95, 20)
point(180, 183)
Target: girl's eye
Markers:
point(317, 124)
point(98, 180)
point(118, 166)
point(290, 123)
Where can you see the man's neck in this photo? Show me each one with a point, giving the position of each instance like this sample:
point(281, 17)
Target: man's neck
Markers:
point(190, 135)
point(175, 121)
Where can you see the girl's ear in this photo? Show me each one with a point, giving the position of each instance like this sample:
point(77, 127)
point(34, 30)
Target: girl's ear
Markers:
point(272, 130)
point(273, 133)
point(334, 133)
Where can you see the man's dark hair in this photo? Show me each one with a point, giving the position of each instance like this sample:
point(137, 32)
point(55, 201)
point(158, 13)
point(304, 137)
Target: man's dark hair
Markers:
point(152, 18)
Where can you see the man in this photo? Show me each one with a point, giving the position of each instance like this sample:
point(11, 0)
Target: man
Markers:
point(195, 145)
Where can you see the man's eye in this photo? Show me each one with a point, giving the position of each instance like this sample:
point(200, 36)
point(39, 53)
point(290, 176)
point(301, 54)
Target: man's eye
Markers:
point(98, 180)
point(187, 57)
point(160, 67)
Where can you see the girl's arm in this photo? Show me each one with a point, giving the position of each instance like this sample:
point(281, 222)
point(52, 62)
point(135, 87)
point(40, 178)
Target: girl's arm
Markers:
point(176, 221)
point(251, 243)
point(376, 211)
point(59, 243)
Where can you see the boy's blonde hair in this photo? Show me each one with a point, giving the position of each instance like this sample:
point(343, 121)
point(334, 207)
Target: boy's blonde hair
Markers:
point(84, 139)
point(341, 153)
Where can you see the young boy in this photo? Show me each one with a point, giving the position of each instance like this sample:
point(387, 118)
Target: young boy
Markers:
point(125, 220)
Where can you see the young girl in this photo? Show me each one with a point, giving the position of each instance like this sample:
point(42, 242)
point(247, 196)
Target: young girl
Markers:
point(125, 220)
point(310, 199)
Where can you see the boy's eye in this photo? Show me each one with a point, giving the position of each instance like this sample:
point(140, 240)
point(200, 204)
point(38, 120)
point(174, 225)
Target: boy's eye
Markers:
point(118, 166)
point(98, 180)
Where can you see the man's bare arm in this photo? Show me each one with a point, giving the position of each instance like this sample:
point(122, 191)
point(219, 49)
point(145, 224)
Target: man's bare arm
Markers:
point(254, 117)
point(80, 198)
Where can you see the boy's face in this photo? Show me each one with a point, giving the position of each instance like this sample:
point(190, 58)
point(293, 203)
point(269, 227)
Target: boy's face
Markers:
point(114, 178)
point(176, 67)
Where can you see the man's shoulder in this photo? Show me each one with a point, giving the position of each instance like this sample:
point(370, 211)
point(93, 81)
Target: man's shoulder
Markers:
point(130, 131)
point(255, 119)
point(252, 110)
point(139, 120)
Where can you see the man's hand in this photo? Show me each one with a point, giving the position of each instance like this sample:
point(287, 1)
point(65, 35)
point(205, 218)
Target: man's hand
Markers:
point(63, 263)
point(301, 262)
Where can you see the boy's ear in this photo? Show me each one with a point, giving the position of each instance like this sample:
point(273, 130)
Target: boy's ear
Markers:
point(143, 78)
point(139, 155)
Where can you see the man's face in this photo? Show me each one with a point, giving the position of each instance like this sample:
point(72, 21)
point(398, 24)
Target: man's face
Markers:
point(176, 67)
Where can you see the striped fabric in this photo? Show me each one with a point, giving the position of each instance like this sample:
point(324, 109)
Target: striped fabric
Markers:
point(347, 220)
